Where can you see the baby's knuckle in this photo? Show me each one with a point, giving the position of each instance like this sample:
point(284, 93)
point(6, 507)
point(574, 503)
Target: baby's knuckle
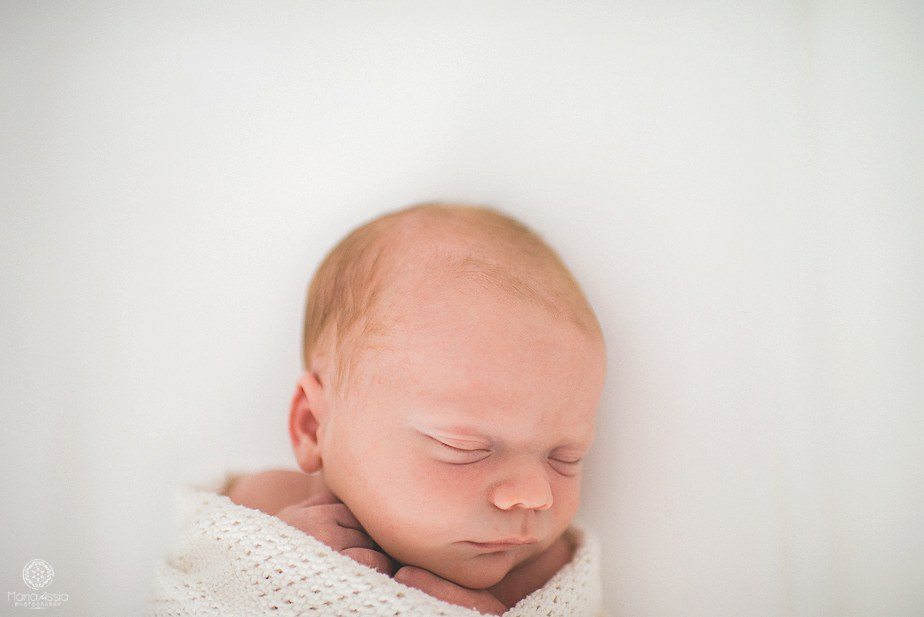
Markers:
point(295, 519)
point(319, 516)
point(338, 536)
point(340, 509)
point(370, 558)
point(411, 576)
point(359, 555)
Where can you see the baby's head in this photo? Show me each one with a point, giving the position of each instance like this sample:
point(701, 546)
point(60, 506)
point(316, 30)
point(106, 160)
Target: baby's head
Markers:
point(453, 370)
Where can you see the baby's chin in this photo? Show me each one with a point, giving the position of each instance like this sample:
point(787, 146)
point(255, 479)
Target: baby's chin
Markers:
point(482, 572)
point(478, 570)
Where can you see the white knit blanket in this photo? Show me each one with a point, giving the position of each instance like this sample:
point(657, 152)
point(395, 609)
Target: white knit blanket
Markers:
point(232, 560)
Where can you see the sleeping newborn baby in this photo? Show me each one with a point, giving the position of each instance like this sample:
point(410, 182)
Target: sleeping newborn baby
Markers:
point(452, 373)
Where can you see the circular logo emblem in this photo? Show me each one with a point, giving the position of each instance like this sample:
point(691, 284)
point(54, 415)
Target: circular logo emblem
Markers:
point(37, 573)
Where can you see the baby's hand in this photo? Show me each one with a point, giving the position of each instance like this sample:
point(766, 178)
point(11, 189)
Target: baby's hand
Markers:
point(326, 518)
point(479, 599)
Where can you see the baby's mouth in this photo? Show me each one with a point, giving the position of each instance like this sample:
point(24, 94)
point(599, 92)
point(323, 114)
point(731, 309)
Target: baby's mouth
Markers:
point(502, 545)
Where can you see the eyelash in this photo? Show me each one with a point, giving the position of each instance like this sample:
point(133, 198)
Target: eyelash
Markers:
point(482, 450)
point(459, 449)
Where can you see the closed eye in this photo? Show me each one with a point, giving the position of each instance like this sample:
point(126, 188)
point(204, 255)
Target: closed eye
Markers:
point(574, 462)
point(469, 451)
point(463, 456)
point(459, 449)
point(569, 468)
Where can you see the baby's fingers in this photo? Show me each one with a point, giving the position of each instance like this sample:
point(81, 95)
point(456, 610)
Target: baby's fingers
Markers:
point(321, 497)
point(325, 527)
point(374, 559)
point(479, 599)
point(334, 513)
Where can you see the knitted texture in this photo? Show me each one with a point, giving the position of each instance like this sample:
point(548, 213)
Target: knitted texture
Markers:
point(233, 560)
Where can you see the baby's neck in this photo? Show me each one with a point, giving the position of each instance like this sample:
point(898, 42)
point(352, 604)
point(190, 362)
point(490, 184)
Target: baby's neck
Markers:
point(534, 573)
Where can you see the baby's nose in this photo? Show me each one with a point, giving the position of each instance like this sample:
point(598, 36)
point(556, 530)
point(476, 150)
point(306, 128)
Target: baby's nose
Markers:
point(526, 486)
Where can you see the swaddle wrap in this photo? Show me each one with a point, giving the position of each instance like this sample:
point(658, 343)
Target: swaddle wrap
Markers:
point(233, 560)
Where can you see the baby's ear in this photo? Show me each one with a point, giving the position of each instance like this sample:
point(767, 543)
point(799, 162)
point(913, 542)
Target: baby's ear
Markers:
point(306, 416)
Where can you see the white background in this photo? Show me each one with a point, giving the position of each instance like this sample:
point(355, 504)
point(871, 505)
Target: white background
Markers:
point(738, 189)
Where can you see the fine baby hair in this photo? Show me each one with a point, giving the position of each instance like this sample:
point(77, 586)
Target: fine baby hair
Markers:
point(452, 242)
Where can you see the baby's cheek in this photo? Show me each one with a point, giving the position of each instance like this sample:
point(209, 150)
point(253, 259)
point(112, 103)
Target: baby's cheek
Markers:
point(567, 497)
point(423, 509)
point(441, 484)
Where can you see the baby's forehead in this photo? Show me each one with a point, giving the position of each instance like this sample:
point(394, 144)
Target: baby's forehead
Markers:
point(483, 399)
